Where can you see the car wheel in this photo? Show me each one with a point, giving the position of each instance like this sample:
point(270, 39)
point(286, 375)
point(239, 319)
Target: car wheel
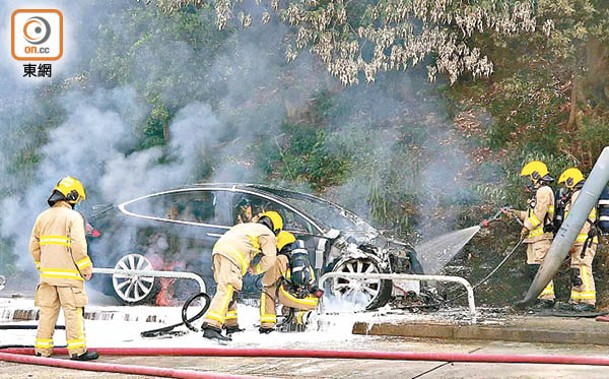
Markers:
point(134, 289)
point(371, 293)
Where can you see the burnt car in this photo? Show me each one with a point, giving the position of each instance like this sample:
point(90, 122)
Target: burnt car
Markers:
point(176, 230)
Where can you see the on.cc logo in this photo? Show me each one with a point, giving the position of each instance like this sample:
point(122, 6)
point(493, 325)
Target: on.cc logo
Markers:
point(37, 34)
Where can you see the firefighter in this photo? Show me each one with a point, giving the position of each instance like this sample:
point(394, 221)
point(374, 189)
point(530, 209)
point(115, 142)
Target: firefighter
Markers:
point(536, 223)
point(583, 289)
point(233, 255)
point(59, 250)
point(291, 281)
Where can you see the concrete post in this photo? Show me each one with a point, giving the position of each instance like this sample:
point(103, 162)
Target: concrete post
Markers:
point(565, 237)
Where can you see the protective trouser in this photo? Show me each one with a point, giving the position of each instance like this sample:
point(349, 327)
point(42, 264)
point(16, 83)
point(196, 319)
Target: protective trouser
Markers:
point(536, 253)
point(72, 300)
point(583, 289)
point(275, 290)
point(223, 307)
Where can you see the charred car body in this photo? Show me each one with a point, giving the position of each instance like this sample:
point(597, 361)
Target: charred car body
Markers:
point(176, 230)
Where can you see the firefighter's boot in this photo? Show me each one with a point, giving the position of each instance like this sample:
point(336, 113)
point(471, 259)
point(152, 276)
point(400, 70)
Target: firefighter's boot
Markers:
point(263, 330)
point(233, 329)
point(86, 356)
point(302, 320)
point(213, 333)
point(298, 322)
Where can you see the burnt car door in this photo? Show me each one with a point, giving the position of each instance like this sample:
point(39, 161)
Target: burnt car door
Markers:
point(174, 231)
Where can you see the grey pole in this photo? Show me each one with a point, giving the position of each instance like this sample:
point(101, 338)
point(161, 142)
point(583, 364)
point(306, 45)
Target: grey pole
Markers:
point(565, 237)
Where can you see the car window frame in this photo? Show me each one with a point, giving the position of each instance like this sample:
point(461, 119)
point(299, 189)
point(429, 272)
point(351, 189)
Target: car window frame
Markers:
point(233, 189)
point(275, 199)
point(123, 210)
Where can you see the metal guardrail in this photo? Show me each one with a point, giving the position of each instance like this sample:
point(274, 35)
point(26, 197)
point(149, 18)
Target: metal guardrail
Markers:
point(435, 278)
point(154, 273)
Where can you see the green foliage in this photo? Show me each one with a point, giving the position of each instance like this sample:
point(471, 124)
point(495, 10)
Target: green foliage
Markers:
point(392, 208)
point(156, 129)
point(164, 57)
point(304, 156)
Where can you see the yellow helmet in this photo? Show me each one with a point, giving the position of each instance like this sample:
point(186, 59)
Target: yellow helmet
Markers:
point(570, 177)
point(535, 170)
point(72, 189)
point(284, 238)
point(276, 223)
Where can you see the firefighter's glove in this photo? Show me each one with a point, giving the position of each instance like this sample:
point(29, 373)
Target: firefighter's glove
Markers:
point(524, 232)
point(507, 211)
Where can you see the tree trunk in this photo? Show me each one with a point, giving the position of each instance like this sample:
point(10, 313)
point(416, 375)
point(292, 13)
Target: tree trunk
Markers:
point(573, 106)
point(166, 134)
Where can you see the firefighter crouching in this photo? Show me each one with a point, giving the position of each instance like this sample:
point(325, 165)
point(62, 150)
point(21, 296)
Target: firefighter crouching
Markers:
point(232, 257)
point(59, 249)
point(291, 281)
point(537, 220)
point(583, 290)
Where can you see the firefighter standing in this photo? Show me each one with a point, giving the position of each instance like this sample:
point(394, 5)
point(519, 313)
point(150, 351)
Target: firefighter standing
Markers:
point(291, 281)
point(232, 257)
point(536, 223)
point(583, 289)
point(59, 249)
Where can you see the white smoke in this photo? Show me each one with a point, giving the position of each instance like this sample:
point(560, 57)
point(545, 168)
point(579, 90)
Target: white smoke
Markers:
point(219, 108)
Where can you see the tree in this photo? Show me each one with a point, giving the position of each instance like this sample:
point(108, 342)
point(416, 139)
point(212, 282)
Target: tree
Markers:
point(549, 95)
point(355, 38)
point(580, 58)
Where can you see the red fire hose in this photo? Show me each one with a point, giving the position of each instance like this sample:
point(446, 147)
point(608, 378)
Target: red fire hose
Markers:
point(341, 354)
point(113, 367)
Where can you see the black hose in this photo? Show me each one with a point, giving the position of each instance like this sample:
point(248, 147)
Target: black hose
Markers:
point(168, 330)
point(473, 287)
point(490, 274)
point(185, 318)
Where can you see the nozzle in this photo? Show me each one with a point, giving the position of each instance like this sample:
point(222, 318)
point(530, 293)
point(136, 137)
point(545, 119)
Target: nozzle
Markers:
point(497, 216)
point(317, 292)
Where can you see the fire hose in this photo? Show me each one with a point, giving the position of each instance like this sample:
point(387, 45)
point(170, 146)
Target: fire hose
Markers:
point(484, 223)
point(22, 356)
point(493, 271)
point(169, 330)
point(489, 274)
point(166, 330)
point(113, 367)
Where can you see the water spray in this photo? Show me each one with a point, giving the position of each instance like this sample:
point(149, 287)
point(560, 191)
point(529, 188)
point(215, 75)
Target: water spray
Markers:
point(507, 210)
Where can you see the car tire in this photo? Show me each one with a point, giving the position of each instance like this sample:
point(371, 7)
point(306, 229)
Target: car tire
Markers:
point(375, 293)
point(137, 289)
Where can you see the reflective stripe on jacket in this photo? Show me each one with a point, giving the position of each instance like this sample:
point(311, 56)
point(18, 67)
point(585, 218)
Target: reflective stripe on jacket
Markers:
point(243, 242)
point(583, 233)
point(535, 218)
point(58, 246)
